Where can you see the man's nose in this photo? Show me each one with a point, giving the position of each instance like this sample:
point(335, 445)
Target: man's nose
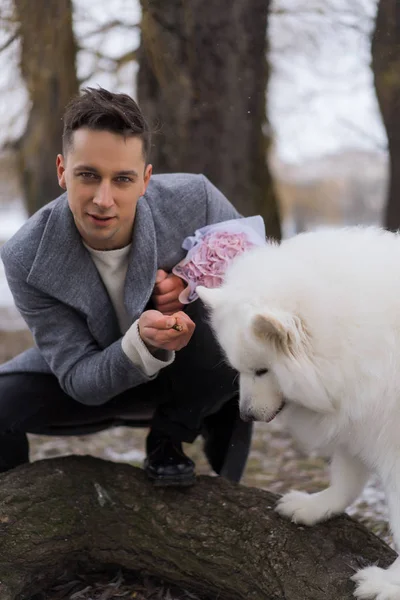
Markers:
point(104, 197)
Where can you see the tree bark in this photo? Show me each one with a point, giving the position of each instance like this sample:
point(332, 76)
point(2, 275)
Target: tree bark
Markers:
point(48, 54)
point(386, 69)
point(217, 539)
point(202, 80)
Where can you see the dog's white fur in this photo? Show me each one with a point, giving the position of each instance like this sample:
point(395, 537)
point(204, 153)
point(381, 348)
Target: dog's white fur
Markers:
point(321, 312)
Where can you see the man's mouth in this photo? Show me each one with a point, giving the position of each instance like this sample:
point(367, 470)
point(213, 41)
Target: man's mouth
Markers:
point(101, 220)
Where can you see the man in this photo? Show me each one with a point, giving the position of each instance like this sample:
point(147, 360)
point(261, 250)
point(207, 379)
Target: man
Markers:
point(91, 275)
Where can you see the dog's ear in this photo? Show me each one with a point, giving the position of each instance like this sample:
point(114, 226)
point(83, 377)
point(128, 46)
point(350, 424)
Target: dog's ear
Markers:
point(268, 325)
point(211, 297)
point(283, 329)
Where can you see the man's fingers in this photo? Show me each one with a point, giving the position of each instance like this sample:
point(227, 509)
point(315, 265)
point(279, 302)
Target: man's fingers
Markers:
point(170, 283)
point(170, 309)
point(164, 322)
point(182, 317)
point(165, 286)
point(171, 332)
point(184, 323)
point(167, 303)
point(163, 299)
point(158, 321)
point(161, 275)
point(177, 323)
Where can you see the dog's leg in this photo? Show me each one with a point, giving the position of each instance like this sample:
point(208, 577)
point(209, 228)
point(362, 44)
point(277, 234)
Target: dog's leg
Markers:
point(348, 477)
point(374, 582)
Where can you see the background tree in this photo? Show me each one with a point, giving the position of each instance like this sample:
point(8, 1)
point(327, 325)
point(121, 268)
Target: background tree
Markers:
point(202, 81)
point(48, 54)
point(386, 68)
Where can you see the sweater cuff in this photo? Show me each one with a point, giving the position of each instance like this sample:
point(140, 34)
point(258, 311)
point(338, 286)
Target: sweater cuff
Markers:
point(137, 351)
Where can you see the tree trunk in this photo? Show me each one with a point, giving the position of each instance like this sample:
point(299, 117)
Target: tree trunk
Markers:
point(218, 539)
point(386, 68)
point(48, 53)
point(202, 80)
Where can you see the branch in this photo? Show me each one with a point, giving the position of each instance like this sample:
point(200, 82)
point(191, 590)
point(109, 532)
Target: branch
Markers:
point(114, 64)
point(106, 27)
point(382, 147)
point(10, 40)
point(126, 58)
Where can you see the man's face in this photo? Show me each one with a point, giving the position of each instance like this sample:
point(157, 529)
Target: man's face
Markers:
point(105, 175)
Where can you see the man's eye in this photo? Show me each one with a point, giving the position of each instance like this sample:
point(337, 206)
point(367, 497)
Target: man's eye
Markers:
point(123, 179)
point(260, 372)
point(87, 175)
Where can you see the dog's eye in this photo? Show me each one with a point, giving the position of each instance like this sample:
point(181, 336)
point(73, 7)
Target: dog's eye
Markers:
point(260, 372)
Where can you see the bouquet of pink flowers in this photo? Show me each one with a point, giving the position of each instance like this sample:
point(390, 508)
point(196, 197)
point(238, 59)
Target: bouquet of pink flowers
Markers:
point(212, 248)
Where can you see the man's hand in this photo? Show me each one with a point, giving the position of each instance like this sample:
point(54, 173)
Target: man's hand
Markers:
point(166, 332)
point(166, 292)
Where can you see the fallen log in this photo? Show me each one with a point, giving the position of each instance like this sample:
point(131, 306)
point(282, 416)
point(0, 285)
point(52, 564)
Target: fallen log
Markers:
point(218, 539)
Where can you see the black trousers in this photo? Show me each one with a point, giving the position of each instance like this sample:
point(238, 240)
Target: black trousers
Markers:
point(193, 387)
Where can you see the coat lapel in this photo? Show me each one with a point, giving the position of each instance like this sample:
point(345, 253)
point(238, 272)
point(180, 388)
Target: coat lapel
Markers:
point(64, 269)
point(141, 275)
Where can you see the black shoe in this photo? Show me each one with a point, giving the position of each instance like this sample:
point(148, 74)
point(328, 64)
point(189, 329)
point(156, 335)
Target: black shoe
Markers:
point(166, 464)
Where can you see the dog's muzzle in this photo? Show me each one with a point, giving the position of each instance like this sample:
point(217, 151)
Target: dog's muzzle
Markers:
point(250, 415)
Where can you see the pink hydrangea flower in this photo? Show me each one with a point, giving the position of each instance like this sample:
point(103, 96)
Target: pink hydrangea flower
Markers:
point(207, 261)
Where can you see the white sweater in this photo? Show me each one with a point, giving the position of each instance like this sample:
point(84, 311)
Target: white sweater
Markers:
point(112, 266)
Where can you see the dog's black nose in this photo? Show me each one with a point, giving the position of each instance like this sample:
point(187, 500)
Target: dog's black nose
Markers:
point(247, 416)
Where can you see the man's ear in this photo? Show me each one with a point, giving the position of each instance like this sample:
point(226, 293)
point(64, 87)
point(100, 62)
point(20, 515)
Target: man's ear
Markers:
point(146, 178)
point(61, 171)
point(211, 297)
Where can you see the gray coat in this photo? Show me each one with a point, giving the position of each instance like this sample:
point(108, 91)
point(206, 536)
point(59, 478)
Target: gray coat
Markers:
point(59, 293)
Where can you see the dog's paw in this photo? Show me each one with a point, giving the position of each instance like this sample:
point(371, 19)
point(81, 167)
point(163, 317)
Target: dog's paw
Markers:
point(303, 508)
point(299, 507)
point(374, 583)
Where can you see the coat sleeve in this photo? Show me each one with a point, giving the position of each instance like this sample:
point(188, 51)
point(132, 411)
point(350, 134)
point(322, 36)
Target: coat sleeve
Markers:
point(86, 372)
point(218, 207)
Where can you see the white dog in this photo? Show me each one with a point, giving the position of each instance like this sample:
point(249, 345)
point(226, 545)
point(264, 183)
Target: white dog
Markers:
point(313, 328)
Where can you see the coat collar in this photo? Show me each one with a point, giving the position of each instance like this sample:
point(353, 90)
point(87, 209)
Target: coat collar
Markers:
point(143, 261)
point(64, 270)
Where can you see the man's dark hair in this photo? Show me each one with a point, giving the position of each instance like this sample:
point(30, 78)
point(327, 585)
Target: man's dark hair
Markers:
point(101, 110)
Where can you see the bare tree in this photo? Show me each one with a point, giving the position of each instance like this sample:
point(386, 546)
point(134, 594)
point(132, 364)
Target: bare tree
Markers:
point(48, 53)
point(386, 68)
point(202, 80)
